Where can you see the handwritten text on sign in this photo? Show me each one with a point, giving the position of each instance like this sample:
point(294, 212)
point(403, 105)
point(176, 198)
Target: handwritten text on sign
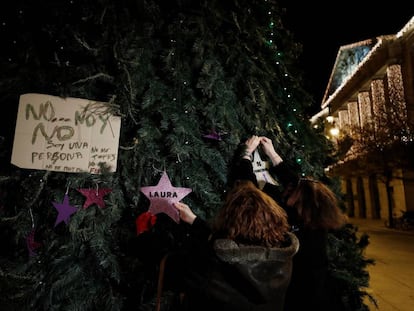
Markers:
point(65, 134)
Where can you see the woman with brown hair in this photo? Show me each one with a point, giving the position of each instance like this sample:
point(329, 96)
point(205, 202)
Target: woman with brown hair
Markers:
point(245, 262)
point(316, 205)
point(252, 217)
point(316, 213)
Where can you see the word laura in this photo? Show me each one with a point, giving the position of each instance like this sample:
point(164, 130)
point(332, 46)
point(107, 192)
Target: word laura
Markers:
point(163, 194)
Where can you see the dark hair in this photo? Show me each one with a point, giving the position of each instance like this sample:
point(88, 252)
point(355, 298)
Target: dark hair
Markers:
point(317, 205)
point(250, 215)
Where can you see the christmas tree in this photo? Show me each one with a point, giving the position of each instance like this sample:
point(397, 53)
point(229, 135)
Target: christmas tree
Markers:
point(189, 81)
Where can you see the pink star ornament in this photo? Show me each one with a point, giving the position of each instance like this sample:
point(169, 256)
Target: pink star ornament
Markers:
point(94, 196)
point(163, 195)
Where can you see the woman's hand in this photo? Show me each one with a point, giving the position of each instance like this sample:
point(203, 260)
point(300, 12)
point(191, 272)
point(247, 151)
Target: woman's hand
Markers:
point(269, 150)
point(185, 213)
point(251, 145)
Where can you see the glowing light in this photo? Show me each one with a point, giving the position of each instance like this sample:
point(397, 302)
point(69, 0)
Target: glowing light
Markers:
point(334, 131)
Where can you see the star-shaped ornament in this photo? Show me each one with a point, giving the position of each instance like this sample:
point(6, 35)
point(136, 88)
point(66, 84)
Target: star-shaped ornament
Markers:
point(31, 244)
point(261, 170)
point(163, 195)
point(94, 196)
point(214, 135)
point(65, 210)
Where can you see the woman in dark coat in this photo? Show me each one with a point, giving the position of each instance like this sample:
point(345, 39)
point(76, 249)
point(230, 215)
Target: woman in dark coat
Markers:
point(313, 211)
point(243, 262)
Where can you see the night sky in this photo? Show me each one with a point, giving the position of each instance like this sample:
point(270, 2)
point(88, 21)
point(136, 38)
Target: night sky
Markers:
point(324, 28)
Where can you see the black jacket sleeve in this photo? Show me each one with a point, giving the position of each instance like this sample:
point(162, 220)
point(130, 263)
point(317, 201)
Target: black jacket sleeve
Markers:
point(286, 174)
point(242, 170)
point(200, 229)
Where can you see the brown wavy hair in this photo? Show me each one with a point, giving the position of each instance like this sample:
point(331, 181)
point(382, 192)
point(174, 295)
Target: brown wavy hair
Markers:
point(317, 205)
point(250, 216)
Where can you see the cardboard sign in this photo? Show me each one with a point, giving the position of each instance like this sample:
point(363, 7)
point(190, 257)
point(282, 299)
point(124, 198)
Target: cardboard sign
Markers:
point(65, 134)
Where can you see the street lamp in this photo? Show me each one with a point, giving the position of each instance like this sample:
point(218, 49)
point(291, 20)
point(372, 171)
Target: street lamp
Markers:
point(330, 119)
point(334, 131)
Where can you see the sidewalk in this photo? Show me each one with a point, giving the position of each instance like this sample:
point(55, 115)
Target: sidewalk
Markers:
point(392, 275)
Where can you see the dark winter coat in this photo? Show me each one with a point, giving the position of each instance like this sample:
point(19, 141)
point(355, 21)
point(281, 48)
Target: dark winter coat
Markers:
point(310, 283)
point(224, 275)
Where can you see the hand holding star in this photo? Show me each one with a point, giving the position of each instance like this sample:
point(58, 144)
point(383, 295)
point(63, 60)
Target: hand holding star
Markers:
point(163, 195)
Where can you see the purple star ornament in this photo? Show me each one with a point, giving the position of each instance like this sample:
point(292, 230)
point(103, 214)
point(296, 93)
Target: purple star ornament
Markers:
point(213, 135)
point(94, 196)
point(65, 210)
point(162, 197)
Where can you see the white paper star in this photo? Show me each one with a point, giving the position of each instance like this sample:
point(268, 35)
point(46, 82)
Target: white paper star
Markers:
point(261, 170)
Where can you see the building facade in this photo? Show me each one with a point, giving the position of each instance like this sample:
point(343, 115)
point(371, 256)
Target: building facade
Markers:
point(368, 106)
